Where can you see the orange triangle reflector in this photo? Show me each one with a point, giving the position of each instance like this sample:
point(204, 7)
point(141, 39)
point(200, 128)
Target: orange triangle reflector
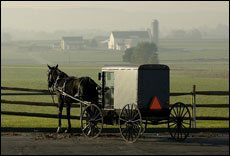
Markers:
point(155, 104)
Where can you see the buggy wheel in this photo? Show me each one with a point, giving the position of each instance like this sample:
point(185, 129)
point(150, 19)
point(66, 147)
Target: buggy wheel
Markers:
point(130, 123)
point(179, 122)
point(92, 121)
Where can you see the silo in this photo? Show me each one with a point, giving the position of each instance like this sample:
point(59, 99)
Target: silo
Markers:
point(154, 31)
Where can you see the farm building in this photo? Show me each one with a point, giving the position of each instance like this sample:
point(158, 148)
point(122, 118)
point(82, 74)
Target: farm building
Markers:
point(121, 40)
point(72, 42)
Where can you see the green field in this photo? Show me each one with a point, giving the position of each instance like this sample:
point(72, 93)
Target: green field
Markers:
point(203, 63)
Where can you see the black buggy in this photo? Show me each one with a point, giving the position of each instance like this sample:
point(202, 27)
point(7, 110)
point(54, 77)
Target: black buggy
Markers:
point(133, 97)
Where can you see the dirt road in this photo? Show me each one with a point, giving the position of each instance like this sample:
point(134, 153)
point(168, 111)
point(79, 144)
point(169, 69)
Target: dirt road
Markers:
point(148, 144)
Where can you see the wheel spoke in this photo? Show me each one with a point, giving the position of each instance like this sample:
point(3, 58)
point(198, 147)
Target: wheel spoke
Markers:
point(179, 114)
point(136, 121)
point(130, 121)
point(172, 124)
point(185, 123)
point(95, 129)
point(123, 119)
point(177, 124)
point(177, 111)
point(87, 126)
point(92, 121)
point(89, 132)
point(126, 132)
point(95, 113)
point(97, 116)
point(127, 113)
point(174, 111)
point(182, 112)
point(131, 134)
point(135, 116)
point(97, 120)
point(136, 131)
point(178, 132)
point(131, 112)
point(123, 130)
point(183, 128)
point(89, 113)
point(173, 115)
point(173, 119)
point(174, 130)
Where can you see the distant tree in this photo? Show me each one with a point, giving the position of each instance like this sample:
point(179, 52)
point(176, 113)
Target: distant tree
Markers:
point(153, 58)
point(182, 34)
point(127, 55)
point(144, 52)
point(178, 34)
point(93, 43)
point(194, 34)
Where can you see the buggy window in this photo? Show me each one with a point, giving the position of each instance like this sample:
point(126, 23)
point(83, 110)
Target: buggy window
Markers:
point(109, 90)
point(109, 79)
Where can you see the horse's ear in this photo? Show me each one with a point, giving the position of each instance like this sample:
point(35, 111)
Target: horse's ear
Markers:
point(48, 66)
point(56, 66)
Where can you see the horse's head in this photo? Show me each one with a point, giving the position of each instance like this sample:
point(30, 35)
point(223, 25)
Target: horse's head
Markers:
point(52, 75)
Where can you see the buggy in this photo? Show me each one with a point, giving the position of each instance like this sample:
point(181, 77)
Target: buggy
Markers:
point(132, 97)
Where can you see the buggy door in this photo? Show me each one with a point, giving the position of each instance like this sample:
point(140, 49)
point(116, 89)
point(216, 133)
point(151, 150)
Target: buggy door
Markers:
point(109, 90)
point(153, 85)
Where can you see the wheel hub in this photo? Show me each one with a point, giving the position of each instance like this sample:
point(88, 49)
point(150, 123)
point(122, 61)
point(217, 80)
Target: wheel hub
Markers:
point(179, 121)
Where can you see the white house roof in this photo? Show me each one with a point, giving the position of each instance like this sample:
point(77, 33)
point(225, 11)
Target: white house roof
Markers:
point(130, 34)
point(72, 38)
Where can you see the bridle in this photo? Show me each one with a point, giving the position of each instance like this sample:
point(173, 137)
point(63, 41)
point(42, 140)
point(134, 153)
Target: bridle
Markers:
point(54, 85)
point(51, 89)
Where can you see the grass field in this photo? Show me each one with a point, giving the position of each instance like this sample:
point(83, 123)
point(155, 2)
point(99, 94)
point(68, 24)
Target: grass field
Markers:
point(204, 63)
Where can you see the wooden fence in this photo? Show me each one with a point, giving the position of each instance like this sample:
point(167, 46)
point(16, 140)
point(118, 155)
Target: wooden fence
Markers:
point(193, 104)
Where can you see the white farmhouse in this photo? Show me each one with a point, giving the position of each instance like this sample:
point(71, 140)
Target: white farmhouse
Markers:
point(121, 40)
point(71, 42)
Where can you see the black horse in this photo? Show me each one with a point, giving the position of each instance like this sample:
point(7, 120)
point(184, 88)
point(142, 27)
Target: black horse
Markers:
point(84, 88)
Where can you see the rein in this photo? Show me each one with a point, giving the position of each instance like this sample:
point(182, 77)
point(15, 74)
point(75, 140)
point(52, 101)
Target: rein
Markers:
point(54, 87)
point(52, 93)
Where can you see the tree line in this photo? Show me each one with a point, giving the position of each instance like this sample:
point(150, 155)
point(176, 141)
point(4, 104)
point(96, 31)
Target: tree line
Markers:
point(143, 53)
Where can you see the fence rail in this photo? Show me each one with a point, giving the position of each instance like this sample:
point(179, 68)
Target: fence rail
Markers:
point(75, 105)
point(46, 92)
point(24, 89)
point(37, 115)
point(36, 103)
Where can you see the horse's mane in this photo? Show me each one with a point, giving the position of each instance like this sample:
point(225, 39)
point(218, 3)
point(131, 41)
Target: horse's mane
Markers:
point(62, 74)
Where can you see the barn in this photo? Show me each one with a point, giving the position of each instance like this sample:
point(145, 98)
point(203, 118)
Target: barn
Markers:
point(72, 42)
point(121, 40)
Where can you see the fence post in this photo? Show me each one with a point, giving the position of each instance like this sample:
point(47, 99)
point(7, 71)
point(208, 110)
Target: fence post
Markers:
point(194, 105)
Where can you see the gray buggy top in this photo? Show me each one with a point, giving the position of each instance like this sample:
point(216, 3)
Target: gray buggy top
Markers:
point(145, 85)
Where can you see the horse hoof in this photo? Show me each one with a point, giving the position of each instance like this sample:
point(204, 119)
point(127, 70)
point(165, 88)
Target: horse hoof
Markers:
point(59, 130)
point(67, 131)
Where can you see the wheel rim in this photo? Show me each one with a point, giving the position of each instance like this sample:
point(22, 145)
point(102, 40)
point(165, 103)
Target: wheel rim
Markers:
point(92, 121)
point(179, 123)
point(130, 123)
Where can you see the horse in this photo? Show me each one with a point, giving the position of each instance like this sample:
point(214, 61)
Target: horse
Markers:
point(83, 88)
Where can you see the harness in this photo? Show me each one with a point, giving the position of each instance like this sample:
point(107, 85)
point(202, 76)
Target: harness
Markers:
point(55, 85)
point(61, 76)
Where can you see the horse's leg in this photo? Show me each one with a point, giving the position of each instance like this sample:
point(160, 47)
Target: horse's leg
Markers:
point(61, 102)
point(68, 130)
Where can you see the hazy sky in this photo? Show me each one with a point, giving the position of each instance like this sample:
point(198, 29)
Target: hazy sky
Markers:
point(171, 14)
point(149, 6)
